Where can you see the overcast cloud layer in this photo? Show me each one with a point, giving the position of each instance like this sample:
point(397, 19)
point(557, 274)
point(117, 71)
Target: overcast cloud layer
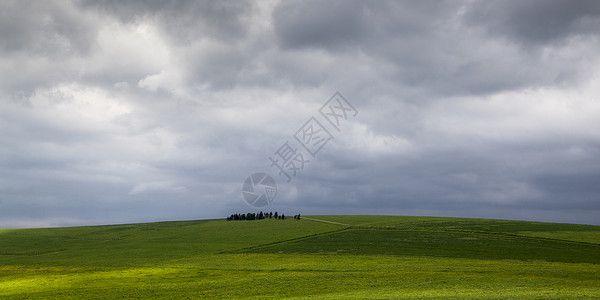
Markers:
point(134, 111)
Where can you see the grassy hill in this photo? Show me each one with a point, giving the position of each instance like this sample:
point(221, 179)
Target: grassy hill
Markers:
point(318, 256)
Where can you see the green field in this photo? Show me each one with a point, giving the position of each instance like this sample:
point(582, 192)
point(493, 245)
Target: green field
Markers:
point(385, 257)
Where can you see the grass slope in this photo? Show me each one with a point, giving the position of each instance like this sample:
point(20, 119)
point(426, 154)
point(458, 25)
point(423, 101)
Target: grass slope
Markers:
point(352, 257)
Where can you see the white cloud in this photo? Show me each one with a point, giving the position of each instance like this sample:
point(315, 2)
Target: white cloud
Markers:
point(520, 116)
point(157, 187)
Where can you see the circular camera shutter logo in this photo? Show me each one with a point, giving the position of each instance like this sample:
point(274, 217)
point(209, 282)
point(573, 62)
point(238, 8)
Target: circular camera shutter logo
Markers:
point(259, 189)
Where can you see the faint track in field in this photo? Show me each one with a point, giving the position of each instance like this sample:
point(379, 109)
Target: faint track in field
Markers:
point(331, 222)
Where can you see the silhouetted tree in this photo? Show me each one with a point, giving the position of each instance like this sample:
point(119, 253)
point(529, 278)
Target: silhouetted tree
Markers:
point(258, 216)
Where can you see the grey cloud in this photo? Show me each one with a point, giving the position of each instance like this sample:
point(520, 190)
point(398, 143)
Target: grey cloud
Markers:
point(536, 22)
point(355, 24)
point(319, 24)
point(38, 39)
point(436, 47)
point(45, 28)
point(154, 110)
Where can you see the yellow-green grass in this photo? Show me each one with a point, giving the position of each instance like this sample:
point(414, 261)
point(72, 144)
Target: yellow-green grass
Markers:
point(381, 257)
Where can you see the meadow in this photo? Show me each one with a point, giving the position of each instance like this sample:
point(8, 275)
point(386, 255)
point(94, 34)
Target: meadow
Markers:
point(324, 257)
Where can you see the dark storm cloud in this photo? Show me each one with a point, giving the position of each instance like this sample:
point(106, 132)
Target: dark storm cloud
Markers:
point(355, 24)
point(536, 22)
point(44, 28)
point(301, 24)
point(34, 35)
point(438, 48)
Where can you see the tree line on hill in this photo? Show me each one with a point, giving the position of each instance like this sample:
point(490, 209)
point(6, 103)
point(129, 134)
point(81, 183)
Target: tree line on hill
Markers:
point(259, 216)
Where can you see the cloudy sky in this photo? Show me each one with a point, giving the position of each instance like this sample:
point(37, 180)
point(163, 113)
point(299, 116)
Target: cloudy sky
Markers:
point(137, 111)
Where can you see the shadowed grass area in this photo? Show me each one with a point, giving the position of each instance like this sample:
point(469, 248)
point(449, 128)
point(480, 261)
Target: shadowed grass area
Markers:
point(463, 224)
point(586, 236)
point(381, 257)
point(440, 244)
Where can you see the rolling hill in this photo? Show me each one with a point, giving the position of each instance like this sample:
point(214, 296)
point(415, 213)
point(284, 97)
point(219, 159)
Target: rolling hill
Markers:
point(318, 256)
